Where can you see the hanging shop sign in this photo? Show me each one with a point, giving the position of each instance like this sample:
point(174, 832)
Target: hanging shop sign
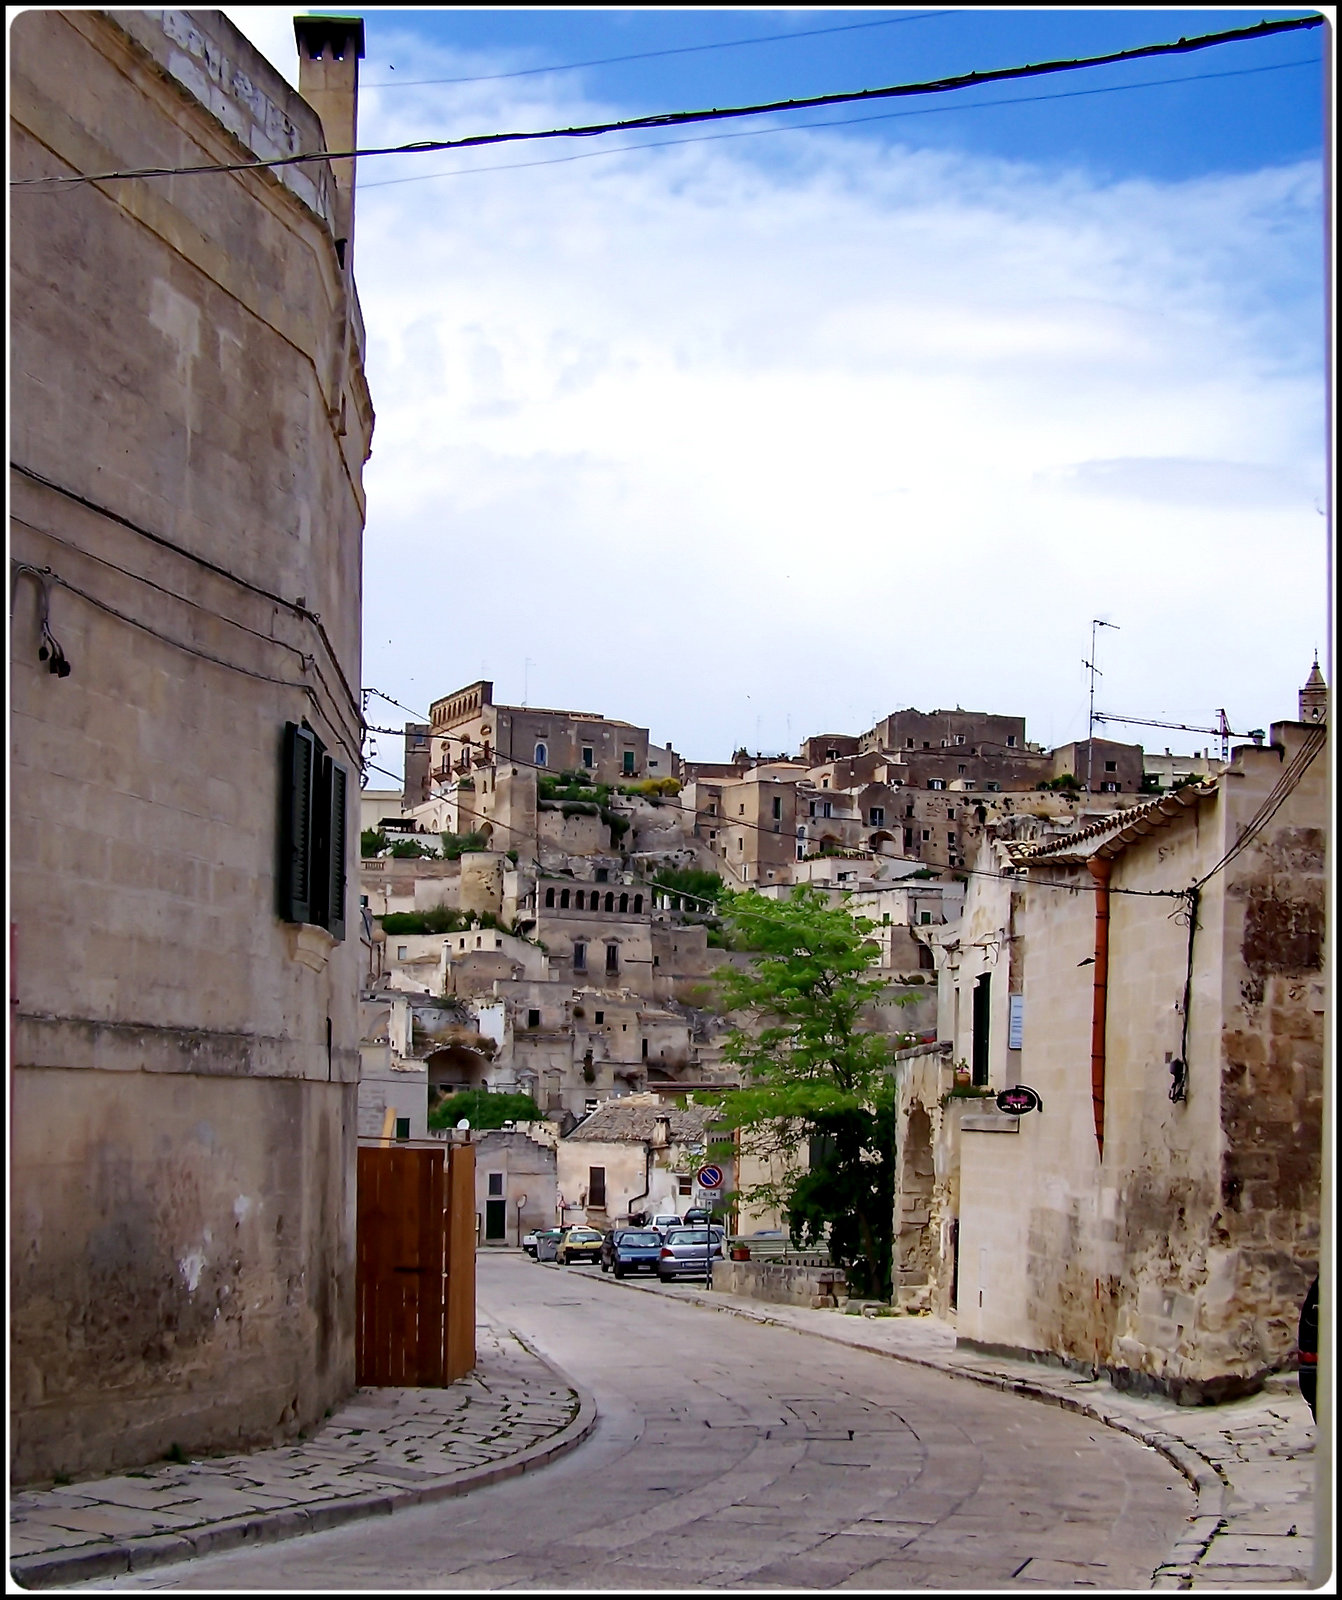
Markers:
point(1019, 1099)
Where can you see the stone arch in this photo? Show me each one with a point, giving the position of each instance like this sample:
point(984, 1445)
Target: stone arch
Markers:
point(915, 1244)
point(454, 1067)
point(880, 839)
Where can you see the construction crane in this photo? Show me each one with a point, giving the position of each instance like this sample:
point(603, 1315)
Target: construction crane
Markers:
point(1223, 728)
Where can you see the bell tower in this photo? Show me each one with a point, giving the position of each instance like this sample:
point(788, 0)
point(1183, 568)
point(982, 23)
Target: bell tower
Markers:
point(1314, 696)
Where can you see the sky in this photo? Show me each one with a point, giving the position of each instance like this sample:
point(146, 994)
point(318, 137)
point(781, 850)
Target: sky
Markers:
point(752, 430)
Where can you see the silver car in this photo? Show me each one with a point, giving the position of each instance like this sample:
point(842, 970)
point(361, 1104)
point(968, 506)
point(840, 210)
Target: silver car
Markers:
point(687, 1253)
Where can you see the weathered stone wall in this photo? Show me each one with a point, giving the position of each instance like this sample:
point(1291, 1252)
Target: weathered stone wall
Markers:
point(190, 428)
point(781, 1284)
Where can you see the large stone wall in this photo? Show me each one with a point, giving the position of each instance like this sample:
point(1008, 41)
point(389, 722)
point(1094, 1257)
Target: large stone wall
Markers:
point(190, 428)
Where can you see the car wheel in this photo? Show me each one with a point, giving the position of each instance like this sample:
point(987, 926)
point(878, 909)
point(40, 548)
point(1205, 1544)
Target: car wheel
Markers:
point(618, 1271)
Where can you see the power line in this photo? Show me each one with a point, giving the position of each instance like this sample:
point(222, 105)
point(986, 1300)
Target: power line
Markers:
point(1285, 786)
point(680, 118)
point(649, 55)
point(846, 122)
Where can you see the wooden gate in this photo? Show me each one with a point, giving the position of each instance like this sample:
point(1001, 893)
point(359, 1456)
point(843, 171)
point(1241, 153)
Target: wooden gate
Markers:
point(415, 1281)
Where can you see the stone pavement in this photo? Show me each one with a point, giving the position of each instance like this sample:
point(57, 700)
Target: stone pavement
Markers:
point(385, 1449)
point(1250, 1462)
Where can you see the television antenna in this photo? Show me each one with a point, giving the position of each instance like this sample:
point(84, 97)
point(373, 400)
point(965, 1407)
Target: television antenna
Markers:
point(1095, 622)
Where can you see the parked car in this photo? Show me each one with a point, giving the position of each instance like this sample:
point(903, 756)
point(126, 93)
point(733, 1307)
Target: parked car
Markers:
point(667, 1219)
point(529, 1243)
point(578, 1244)
point(684, 1252)
point(1307, 1348)
point(547, 1242)
point(630, 1250)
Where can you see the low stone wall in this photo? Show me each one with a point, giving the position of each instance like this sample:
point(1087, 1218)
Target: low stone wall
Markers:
point(780, 1283)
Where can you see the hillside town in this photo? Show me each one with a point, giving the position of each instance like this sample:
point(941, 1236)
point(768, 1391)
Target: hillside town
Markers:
point(277, 1262)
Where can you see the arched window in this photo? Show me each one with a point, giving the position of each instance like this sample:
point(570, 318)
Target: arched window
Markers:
point(610, 902)
point(542, 755)
point(549, 897)
point(638, 904)
point(624, 902)
point(577, 899)
point(563, 899)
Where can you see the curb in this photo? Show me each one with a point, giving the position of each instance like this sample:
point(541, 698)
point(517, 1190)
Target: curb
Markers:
point(1210, 1488)
point(51, 1570)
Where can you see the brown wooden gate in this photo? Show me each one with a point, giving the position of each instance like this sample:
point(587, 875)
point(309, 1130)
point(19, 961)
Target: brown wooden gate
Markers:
point(415, 1281)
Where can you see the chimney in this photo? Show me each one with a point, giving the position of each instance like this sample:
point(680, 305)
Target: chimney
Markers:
point(329, 52)
point(661, 1136)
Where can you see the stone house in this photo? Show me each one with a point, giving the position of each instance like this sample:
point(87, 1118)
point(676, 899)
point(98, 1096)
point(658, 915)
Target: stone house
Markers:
point(634, 1156)
point(1159, 1217)
point(190, 426)
point(515, 1184)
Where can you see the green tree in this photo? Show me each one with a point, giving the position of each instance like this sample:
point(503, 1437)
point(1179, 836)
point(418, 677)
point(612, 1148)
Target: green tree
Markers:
point(372, 842)
point(813, 1076)
point(483, 1109)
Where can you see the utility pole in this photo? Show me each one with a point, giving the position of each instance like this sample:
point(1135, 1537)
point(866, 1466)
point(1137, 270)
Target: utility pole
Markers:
point(1095, 622)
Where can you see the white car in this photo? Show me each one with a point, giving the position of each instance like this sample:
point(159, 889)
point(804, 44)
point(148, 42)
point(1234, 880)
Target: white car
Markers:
point(529, 1243)
point(667, 1219)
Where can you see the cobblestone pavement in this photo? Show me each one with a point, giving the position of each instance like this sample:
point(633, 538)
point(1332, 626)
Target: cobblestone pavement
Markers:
point(385, 1449)
point(1251, 1461)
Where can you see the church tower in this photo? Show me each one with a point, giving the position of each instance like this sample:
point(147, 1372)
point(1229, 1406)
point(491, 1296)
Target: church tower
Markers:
point(1314, 697)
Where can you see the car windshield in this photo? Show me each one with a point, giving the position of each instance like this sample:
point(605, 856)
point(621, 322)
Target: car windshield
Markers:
point(688, 1236)
point(582, 1236)
point(640, 1238)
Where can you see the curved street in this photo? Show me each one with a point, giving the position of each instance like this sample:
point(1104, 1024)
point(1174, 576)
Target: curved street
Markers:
point(733, 1454)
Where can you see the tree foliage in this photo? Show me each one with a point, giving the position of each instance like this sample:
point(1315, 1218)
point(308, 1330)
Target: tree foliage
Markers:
point(483, 1109)
point(816, 1102)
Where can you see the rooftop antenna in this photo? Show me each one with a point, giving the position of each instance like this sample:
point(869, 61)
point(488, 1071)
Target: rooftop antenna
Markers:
point(527, 665)
point(1095, 622)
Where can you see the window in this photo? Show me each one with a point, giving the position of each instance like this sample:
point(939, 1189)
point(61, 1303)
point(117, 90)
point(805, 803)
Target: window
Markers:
point(959, 738)
point(996, 788)
point(596, 1187)
point(1109, 788)
point(542, 755)
point(313, 840)
point(1111, 766)
point(496, 1183)
point(908, 744)
point(549, 897)
point(950, 813)
point(962, 769)
point(924, 918)
point(877, 816)
point(603, 874)
point(599, 1016)
point(740, 811)
point(828, 808)
point(612, 958)
point(927, 833)
point(683, 1184)
point(712, 808)
point(801, 852)
point(629, 763)
point(533, 1018)
point(578, 900)
point(624, 902)
point(580, 957)
point(908, 838)
point(587, 755)
point(982, 1002)
point(812, 810)
point(927, 744)
point(644, 1043)
point(950, 837)
point(402, 952)
point(824, 783)
point(778, 808)
point(638, 904)
point(908, 810)
point(563, 899)
point(885, 919)
point(403, 1127)
point(936, 783)
point(610, 902)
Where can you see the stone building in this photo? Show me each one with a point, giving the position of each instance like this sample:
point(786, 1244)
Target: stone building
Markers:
point(190, 423)
point(1158, 1217)
point(1101, 766)
point(635, 1157)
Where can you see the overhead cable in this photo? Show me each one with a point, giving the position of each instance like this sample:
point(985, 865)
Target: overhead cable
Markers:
point(649, 55)
point(679, 118)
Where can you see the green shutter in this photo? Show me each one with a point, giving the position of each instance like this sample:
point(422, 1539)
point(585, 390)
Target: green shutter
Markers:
point(296, 842)
point(337, 811)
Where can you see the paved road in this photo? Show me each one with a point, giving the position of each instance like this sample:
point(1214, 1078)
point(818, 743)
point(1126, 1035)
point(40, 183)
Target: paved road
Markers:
point(733, 1454)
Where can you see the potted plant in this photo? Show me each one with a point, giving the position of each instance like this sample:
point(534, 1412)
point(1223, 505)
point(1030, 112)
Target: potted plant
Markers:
point(739, 1252)
point(962, 1074)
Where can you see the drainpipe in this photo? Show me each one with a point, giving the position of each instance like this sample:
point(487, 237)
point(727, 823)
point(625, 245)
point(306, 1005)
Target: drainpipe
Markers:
point(1100, 870)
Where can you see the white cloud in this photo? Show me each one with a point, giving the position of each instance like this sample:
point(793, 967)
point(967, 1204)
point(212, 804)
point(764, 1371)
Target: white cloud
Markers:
point(750, 439)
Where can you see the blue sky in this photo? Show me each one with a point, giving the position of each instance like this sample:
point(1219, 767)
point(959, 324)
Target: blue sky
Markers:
point(748, 438)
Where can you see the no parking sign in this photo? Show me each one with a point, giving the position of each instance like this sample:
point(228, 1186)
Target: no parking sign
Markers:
point(710, 1177)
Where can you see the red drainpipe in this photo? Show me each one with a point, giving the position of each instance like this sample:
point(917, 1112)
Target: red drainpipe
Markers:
point(1099, 870)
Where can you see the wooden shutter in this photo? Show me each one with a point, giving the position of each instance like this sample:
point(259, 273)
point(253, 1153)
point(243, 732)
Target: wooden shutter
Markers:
point(296, 842)
point(337, 812)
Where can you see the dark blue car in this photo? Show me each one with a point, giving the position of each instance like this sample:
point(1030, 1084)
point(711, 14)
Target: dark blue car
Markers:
point(630, 1250)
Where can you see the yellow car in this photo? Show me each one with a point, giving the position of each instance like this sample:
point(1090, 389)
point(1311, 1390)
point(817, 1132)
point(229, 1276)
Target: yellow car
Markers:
point(578, 1244)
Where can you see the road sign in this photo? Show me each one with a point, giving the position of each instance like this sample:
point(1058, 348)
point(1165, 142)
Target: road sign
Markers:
point(710, 1177)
